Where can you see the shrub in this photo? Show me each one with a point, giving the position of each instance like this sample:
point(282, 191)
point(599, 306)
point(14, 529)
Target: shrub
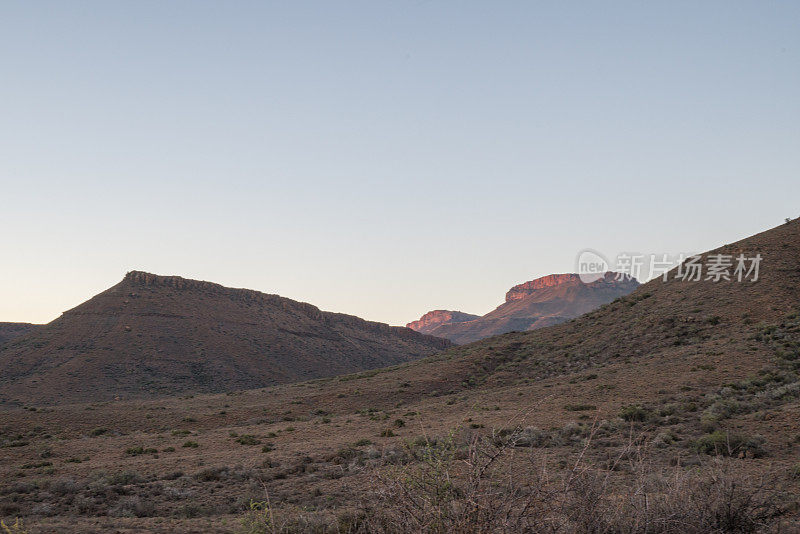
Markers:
point(726, 444)
point(64, 486)
point(717, 442)
point(212, 474)
point(580, 407)
point(258, 519)
point(634, 413)
point(248, 439)
point(35, 465)
point(124, 478)
point(530, 437)
point(136, 451)
point(190, 444)
point(132, 506)
point(484, 491)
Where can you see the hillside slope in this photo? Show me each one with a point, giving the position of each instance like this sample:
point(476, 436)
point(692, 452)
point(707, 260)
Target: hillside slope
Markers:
point(542, 302)
point(9, 331)
point(163, 335)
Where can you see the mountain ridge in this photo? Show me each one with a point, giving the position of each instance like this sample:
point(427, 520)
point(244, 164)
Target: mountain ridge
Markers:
point(538, 303)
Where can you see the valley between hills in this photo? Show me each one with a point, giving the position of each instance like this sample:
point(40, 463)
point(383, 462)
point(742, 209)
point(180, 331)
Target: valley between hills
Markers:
point(672, 408)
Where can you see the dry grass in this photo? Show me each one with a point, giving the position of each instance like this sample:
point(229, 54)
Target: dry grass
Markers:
point(485, 488)
point(465, 483)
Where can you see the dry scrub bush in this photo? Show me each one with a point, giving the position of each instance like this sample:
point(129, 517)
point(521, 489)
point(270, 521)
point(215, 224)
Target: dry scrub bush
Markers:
point(486, 486)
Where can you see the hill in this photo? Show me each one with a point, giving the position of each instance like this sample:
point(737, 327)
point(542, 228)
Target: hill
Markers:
point(673, 409)
point(152, 335)
point(531, 305)
point(436, 318)
point(9, 331)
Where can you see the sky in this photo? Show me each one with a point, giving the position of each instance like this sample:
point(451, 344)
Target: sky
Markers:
point(383, 158)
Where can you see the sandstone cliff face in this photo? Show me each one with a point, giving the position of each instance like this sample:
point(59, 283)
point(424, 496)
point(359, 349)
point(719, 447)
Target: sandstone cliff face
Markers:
point(159, 335)
point(610, 279)
point(538, 303)
point(431, 320)
point(525, 289)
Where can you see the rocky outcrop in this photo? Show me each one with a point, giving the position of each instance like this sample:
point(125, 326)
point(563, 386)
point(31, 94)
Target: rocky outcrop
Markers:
point(521, 291)
point(535, 304)
point(431, 320)
point(610, 279)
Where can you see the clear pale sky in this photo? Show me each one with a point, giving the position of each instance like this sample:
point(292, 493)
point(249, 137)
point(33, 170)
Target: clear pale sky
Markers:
point(383, 158)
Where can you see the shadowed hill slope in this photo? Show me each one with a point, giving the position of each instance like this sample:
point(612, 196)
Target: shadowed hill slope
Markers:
point(9, 331)
point(673, 320)
point(163, 335)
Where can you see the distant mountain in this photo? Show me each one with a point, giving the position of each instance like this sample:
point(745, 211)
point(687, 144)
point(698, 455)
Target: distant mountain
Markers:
point(9, 331)
point(434, 319)
point(535, 304)
point(155, 335)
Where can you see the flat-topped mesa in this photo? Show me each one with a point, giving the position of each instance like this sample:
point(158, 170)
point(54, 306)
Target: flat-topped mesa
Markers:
point(153, 335)
point(610, 279)
point(141, 279)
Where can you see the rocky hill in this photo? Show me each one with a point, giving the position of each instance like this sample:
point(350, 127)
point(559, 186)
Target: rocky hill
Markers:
point(531, 305)
point(156, 335)
point(433, 319)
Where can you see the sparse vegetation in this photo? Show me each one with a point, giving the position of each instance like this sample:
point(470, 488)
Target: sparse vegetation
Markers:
point(248, 439)
point(135, 451)
point(474, 488)
point(579, 407)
